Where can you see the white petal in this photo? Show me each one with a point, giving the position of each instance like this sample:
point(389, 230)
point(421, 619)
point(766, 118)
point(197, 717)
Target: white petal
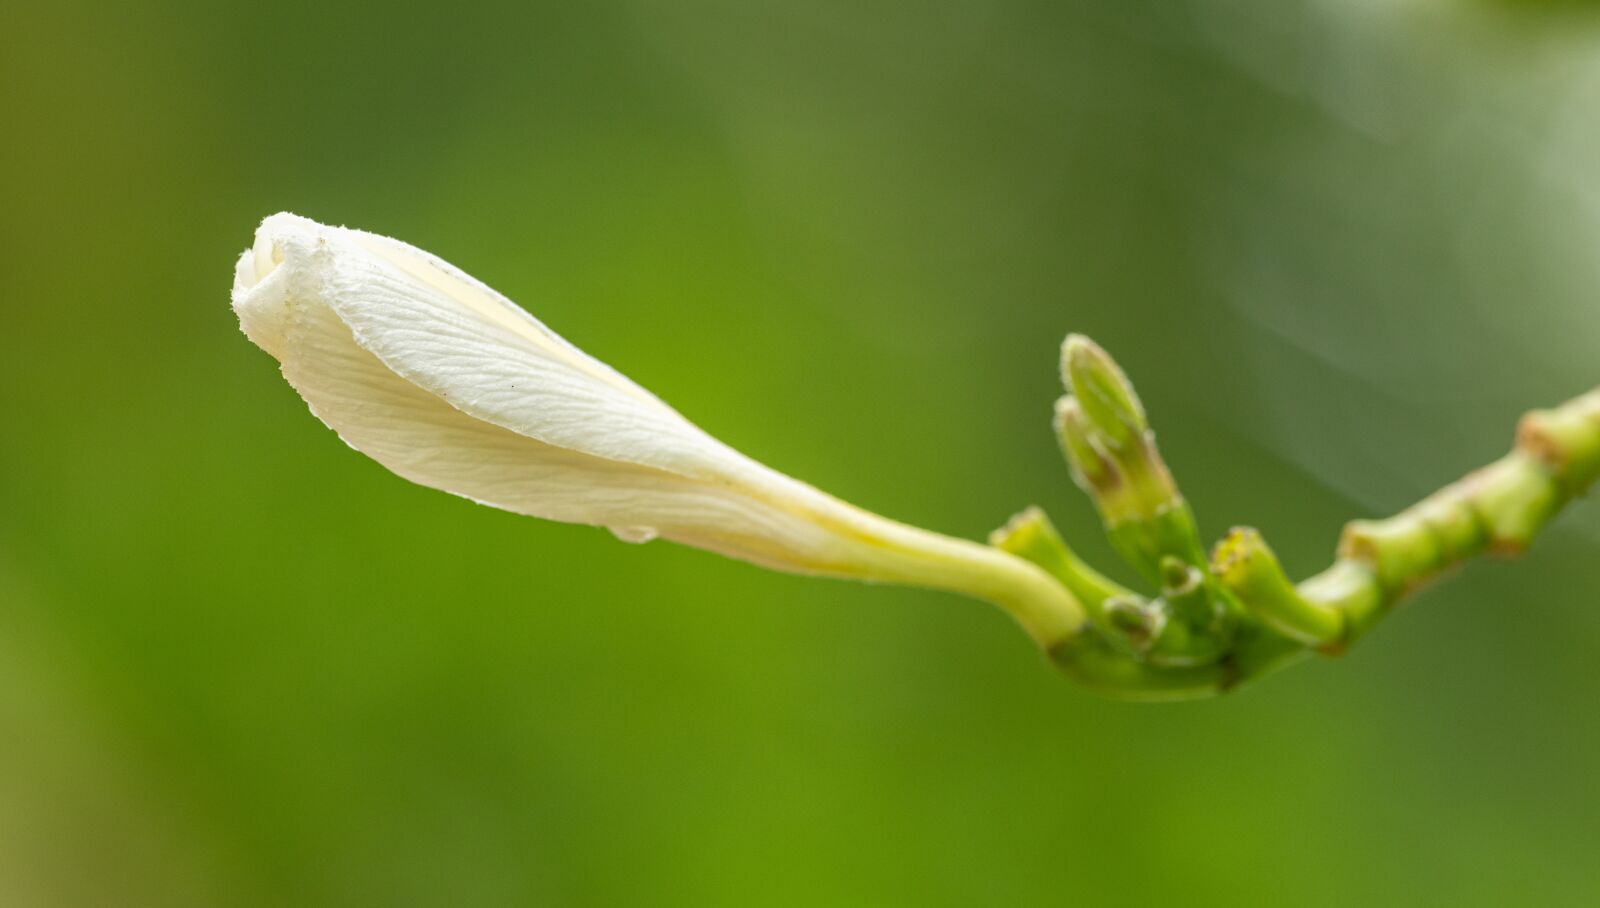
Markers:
point(451, 335)
point(421, 437)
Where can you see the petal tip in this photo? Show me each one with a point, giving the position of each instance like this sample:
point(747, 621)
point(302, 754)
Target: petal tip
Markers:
point(273, 238)
point(263, 273)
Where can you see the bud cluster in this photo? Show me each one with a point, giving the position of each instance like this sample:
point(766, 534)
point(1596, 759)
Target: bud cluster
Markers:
point(1106, 438)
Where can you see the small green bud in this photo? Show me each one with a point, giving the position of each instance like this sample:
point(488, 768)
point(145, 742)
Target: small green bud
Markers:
point(1198, 628)
point(1178, 577)
point(1108, 397)
point(1247, 568)
point(1183, 587)
point(1092, 470)
point(1135, 620)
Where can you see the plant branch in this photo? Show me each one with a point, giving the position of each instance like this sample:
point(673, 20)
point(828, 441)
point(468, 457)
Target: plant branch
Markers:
point(1222, 621)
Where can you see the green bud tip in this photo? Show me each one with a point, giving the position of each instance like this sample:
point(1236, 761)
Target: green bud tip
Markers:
point(1177, 576)
point(1091, 468)
point(1020, 531)
point(1231, 558)
point(1190, 602)
point(1141, 622)
point(1244, 564)
point(1108, 398)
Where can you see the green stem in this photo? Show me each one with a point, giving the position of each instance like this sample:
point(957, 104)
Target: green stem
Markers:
point(1498, 509)
point(1092, 662)
point(1030, 535)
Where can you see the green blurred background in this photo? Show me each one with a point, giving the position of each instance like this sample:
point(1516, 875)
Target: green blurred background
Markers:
point(1339, 245)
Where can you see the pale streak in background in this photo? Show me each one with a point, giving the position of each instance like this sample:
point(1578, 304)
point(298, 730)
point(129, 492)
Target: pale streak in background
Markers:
point(1420, 329)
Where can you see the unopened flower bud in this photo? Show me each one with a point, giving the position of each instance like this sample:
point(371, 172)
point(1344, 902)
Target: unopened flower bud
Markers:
point(1108, 397)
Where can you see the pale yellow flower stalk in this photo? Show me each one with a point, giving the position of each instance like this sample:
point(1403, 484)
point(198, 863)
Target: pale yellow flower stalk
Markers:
point(451, 385)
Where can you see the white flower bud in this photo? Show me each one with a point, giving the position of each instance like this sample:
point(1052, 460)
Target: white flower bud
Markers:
point(449, 384)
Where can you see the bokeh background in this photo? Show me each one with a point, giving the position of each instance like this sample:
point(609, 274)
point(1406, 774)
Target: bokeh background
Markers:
point(1340, 244)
